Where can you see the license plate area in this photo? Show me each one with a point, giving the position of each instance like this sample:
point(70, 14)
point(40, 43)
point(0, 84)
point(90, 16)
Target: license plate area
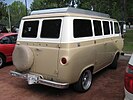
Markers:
point(32, 79)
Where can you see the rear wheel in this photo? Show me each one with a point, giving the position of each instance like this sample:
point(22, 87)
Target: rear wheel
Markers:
point(84, 82)
point(2, 61)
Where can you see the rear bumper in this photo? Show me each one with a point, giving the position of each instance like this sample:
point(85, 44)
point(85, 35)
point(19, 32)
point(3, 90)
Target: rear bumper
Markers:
point(38, 79)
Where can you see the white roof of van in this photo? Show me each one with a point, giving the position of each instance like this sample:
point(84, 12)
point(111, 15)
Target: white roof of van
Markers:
point(70, 10)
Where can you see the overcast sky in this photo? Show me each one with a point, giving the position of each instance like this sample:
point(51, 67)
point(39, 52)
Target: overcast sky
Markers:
point(11, 1)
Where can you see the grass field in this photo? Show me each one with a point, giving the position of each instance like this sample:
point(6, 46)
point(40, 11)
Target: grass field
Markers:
point(128, 42)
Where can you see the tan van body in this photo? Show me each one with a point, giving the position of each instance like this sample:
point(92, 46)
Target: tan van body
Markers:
point(58, 62)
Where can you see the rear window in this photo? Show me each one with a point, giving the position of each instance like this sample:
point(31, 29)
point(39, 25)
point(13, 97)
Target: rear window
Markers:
point(51, 28)
point(30, 29)
point(82, 28)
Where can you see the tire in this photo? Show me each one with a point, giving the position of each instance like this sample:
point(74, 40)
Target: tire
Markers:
point(2, 61)
point(84, 82)
point(114, 63)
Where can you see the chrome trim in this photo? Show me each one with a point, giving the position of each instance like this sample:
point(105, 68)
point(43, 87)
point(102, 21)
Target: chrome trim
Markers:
point(40, 80)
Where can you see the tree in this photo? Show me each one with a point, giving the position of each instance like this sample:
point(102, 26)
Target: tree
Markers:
point(115, 8)
point(17, 11)
point(111, 7)
point(44, 4)
point(3, 12)
point(129, 6)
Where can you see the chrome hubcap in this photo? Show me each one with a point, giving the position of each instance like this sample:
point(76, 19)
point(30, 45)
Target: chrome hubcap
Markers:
point(87, 79)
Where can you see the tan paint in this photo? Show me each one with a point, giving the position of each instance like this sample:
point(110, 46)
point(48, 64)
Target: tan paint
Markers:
point(47, 56)
point(97, 53)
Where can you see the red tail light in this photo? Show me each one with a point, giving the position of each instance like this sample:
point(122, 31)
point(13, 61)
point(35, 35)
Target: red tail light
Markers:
point(129, 79)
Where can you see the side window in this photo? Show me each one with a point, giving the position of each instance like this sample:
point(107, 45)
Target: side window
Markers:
point(5, 40)
point(51, 28)
point(13, 39)
point(30, 29)
point(111, 25)
point(82, 28)
point(97, 27)
point(117, 30)
point(106, 28)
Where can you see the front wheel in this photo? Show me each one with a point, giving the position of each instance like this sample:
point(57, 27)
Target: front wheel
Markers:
point(84, 82)
point(114, 63)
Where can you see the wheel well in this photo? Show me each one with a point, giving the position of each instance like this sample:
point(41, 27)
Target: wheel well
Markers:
point(90, 68)
point(117, 54)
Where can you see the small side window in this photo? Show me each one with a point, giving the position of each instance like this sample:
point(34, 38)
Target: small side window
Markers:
point(97, 27)
point(82, 28)
point(51, 28)
point(106, 28)
point(30, 29)
point(117, 30)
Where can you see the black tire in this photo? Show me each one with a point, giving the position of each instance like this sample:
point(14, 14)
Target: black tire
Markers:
point(114, 63)
point(84, 82)
point(2, 61)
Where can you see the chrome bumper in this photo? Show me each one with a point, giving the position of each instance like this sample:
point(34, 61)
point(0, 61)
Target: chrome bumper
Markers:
point(38, 79)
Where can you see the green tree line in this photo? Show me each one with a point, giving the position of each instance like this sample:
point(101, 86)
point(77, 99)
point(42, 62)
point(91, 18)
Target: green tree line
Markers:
point(118, 9)
point(14, 12)
point(115, 8)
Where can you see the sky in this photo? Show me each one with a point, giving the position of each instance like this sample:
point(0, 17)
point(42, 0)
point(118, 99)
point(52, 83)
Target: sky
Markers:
point(9, 2)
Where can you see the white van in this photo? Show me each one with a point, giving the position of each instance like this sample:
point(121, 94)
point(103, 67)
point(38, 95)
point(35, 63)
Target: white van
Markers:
point(63, 46)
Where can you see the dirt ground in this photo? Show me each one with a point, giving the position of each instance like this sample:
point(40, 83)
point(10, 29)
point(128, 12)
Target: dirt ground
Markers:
point(107, 85)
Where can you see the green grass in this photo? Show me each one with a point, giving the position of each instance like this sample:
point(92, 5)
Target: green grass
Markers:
point(128, 41)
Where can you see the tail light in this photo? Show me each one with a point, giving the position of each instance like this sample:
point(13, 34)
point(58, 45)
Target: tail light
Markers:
point(129, 79)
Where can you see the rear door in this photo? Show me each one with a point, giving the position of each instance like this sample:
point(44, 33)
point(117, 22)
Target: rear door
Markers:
point(47, 53)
